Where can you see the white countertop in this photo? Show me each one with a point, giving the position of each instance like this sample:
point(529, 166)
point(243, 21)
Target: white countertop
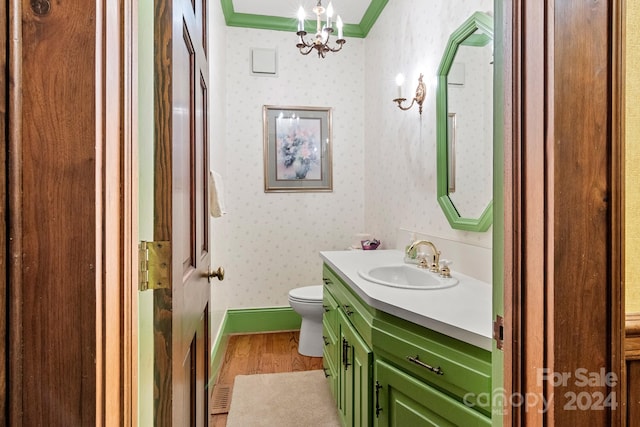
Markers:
point(462, 311)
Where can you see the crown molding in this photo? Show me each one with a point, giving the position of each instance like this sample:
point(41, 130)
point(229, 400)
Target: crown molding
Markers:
point(278, 23)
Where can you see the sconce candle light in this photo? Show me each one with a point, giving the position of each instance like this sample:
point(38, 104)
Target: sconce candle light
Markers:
point(320, 42)
point(421, 91)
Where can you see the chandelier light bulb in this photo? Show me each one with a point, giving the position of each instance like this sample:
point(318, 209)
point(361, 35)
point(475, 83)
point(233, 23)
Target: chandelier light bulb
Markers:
point(339, 25)
point(321, 41)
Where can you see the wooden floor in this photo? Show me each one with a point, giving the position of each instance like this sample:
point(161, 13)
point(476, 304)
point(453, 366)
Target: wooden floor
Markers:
point(261, 354)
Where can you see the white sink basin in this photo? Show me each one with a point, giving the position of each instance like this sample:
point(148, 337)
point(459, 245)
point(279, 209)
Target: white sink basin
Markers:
point(407, 276)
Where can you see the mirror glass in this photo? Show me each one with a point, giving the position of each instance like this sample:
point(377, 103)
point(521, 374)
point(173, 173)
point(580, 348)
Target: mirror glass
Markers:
point(465, 125)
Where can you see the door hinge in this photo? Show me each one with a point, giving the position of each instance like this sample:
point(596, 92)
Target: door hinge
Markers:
point(154, 270)
point(498, 331)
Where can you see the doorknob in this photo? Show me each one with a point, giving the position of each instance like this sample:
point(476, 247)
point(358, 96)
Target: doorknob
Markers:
point(219, 273)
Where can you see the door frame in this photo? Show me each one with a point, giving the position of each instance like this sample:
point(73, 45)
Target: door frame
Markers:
point(117, 211)
point(530, 275)
point(4, 20)
point(111, 401)
point(529, 333)
point(113, 215)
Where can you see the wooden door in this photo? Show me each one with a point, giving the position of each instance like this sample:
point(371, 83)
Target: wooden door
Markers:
point(562, 212)
point(181, 352)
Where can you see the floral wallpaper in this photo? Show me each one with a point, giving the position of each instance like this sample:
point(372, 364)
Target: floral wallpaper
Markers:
point(400, 156)
point(269, 242)
point(384, 170)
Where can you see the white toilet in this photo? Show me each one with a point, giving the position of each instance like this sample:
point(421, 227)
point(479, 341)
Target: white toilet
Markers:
point(307, 302)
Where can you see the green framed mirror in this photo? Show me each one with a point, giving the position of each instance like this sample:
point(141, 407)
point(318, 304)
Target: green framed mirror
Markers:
point(464, 124)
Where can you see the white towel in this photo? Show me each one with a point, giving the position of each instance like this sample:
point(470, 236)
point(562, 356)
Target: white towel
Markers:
point(216, 195)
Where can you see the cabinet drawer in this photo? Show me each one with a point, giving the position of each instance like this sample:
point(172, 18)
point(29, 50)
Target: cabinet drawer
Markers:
point(330, 306)
point(457, 368)
point(329, 363)
point(332, 378)
point(402, 401)
point(330, 349)
point(357, 312)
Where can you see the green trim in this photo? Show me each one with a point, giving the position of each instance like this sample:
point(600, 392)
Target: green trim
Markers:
point(278, 23)
point(477, 21)
point(460, 223)
point(261, 320)
point(227, 9)
point(371, 16)
point(476, 40)
point(484, 23)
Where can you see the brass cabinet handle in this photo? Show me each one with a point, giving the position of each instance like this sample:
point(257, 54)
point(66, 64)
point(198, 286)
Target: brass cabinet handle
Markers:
point(219, 273)
point(326, 340)
point(418, 362)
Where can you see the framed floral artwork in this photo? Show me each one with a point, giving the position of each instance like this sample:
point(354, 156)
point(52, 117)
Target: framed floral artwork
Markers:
point(297, 148)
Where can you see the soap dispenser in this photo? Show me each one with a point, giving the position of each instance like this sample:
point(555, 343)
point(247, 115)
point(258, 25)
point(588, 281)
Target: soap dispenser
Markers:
point(410, 256)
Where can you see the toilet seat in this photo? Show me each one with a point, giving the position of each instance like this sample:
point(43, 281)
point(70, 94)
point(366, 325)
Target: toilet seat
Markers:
point(306, 294)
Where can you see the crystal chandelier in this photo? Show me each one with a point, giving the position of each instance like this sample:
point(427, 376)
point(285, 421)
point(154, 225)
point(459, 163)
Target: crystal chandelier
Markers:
point(320, 42)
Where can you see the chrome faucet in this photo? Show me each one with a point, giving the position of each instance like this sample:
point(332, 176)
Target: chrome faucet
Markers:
point(422, 261)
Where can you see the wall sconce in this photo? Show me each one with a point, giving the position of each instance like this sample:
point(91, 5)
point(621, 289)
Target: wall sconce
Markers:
point(421, 91)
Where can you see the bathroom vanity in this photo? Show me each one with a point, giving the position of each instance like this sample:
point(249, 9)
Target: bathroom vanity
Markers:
point(405, 357)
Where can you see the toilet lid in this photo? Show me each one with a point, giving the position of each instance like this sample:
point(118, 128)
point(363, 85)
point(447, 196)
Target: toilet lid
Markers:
point(307, 293)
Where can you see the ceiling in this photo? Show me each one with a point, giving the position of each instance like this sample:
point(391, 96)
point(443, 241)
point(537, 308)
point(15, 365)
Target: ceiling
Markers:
point(358, 15)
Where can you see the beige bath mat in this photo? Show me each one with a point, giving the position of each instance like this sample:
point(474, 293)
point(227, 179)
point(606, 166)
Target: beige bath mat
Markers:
point(291, 399)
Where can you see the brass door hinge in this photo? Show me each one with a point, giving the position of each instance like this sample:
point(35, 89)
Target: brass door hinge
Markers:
point(498, 331)
point(154, 270)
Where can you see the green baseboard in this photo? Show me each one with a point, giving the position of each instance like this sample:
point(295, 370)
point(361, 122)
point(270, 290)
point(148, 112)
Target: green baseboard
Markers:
point(250, 320)
point(261, 320)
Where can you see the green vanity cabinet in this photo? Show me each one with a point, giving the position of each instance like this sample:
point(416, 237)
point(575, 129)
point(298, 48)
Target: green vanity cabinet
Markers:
point(355, 376)
point(401, 400)
point(386, 371)
point(352, 355)
point(458, 369)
